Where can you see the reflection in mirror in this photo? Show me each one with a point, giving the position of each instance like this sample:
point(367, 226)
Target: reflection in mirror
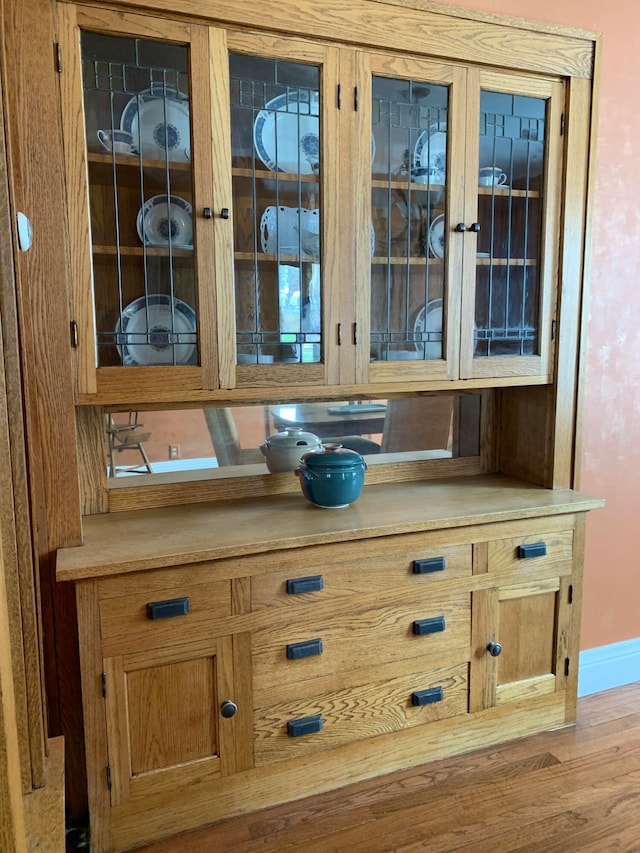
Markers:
point(411, 428)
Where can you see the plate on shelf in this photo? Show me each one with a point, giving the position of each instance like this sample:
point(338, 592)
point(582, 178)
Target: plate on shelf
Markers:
point(158, 120)
point(429, 319)
point(286, 133)
point(165, 220)
point(435, 238)
point(289, 230)
point(153, 329)
point(430, 151)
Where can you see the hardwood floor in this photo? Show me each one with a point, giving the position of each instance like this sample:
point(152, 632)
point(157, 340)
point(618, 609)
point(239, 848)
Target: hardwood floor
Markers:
point(575, 790)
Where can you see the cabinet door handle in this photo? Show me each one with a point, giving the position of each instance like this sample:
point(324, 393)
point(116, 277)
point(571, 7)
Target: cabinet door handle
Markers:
point(494, 649)
point(168, 608)
point(428, 696)
point(207, 213)
point(475, 227)
point(304, 726)
point(428, 565)
point(306, 649)
point(228, 708)
point(429, 626)
point(224, 213)
point(297, 586)
point(535, 549)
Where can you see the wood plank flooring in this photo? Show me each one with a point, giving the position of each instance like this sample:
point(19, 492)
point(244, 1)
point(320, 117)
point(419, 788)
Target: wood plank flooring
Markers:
point(575, 790)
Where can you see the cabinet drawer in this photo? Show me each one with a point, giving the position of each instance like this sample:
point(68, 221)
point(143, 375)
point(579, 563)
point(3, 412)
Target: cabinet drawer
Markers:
point(359, 712)
point(411, 567)
point(363, 638)
point(166, 615)
point(541, 552)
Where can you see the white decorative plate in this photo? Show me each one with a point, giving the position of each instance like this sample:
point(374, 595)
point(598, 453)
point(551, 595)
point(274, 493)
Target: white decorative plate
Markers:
point(165, 220)
point(430, 151)
point(286, 133)
point(436, 237)
point(158, 120)
point(429, 319)
point(288, 230)
point(154, 329)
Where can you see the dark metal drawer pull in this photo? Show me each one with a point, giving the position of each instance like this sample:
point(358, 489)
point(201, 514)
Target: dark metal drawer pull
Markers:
point(296, 586)
point(427, 697)
point(429, 564)
point(535, 549)
point(306, 649)
point(304, 726)
point(429, 626)
point(168, 608)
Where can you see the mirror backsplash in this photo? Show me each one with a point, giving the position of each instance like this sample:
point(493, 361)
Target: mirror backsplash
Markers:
point(139, 445)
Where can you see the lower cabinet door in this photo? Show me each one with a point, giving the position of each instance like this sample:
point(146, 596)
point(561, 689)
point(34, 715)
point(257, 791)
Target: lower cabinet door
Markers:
point(176, 716)
point(520, 637)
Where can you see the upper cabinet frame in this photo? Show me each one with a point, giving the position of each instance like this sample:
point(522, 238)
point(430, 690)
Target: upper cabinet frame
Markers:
point(345, 351)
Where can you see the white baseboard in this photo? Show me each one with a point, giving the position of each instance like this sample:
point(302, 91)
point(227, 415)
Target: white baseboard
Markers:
point(609, 666)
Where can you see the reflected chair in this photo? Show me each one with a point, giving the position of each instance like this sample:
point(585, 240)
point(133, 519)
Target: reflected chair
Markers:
point(127, 436)
point(418, 423)
point(225, 439)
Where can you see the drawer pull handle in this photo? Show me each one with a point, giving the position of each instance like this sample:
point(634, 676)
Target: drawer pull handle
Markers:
point(535, 549)
point(304, 726)
point(429, 626)
point(166, 609)
point(428, 565)
point(306, 649)
point(427, 697)
point(297, 586)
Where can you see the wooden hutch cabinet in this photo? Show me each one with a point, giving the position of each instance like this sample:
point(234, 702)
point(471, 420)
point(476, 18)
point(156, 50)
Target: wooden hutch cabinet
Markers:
point(270, 203)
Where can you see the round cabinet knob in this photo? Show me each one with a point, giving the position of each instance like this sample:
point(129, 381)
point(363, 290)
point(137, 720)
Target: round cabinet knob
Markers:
point(224, 213)
point(207, 213)
point(475, 227)
point(461, 227)
point(228, 708)
point(494, 649)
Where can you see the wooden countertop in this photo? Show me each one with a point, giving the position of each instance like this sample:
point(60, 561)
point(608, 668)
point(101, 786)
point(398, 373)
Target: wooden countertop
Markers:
point(152, 538)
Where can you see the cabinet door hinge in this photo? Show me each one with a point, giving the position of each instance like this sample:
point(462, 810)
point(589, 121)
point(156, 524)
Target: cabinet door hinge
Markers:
point(570, 594)
point(74, 334)
point(108, 777)
point(339, 96)
point(355, 98)
point(562, 125)
point(566, 666)
point(104, 684)
point(58, 58)
point(553, 330)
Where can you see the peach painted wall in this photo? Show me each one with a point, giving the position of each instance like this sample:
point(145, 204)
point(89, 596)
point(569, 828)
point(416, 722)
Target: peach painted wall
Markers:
point(611, 422)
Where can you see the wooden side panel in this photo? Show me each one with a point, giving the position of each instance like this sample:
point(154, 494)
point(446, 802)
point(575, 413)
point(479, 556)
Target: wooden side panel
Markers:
point(37, 189)
point(12, 826)
point(91, 459)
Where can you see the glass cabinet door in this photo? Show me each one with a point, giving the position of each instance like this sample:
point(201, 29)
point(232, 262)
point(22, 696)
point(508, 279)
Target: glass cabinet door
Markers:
point(278, 179)
point(514, 231)
point(412, 153)
point(137, 271)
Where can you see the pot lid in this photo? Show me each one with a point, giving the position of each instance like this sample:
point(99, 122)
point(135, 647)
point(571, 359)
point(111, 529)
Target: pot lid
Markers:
point(292, 437)
point(333, 457)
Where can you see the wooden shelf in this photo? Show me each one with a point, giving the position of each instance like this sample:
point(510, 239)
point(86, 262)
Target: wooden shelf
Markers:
point(131, 254)
point(266, 175)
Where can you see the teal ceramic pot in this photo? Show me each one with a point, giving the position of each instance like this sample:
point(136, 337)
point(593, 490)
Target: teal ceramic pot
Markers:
point(332, 478)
